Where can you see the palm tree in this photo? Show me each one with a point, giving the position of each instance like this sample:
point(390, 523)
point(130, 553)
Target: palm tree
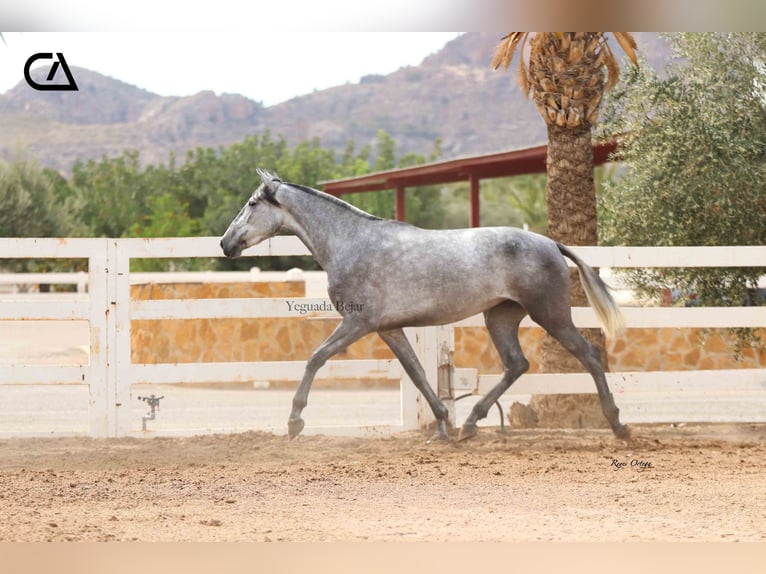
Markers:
point(567, 74)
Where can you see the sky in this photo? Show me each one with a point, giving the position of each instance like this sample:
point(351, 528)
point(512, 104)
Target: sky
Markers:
point(268, 66)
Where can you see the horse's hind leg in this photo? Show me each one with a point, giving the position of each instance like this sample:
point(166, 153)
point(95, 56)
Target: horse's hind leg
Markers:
point(503, 326)
point(563, 330)
point(398, 343)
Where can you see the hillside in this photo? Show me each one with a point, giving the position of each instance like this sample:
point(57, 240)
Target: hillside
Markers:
point(452, 94)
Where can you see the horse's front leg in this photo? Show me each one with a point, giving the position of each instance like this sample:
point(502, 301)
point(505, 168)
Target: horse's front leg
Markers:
point(344, 334)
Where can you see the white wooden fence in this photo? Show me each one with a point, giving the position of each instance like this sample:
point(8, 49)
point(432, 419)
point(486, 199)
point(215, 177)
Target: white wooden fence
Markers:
point(109, 310)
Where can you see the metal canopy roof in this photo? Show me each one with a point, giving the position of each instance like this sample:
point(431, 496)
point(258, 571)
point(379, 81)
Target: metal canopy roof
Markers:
point(503, 164)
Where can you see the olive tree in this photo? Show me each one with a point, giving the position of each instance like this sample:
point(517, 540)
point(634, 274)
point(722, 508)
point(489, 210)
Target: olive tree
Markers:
point(693, 145)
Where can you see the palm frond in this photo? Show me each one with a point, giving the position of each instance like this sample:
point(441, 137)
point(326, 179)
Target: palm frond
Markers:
point(628, 44)
point(612, 67)
point(503, 56)
point(569, 66)
point(505, 49)
point(526, 85)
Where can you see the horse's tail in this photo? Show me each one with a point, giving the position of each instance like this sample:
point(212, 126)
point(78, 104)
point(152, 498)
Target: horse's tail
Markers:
point(597, 291)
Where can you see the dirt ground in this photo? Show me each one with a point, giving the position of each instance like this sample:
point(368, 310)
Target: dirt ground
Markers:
point(690, 483)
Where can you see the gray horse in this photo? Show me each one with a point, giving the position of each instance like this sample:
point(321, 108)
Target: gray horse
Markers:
point(385, 275)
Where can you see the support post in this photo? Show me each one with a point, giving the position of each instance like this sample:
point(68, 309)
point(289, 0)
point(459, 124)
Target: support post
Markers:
point(475, 205)
point(399, 205)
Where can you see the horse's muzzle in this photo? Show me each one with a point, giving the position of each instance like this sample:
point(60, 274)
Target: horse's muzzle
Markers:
point(231, 250)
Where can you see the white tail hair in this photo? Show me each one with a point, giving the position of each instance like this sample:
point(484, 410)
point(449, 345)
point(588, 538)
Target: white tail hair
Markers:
point(607, 310)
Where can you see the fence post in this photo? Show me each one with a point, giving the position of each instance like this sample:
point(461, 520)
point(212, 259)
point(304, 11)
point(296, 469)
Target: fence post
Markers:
point(408, 394)
point(445, 340)
point(121, 340)
point(434, 347)
point(99, 407)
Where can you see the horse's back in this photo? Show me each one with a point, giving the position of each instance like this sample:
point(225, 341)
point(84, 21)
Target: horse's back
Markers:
point(411, 276)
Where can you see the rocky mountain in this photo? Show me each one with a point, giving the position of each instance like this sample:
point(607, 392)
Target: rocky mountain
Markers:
point(453, 94)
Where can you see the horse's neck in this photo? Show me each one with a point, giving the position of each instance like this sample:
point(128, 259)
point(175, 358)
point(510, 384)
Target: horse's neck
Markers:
point(323, 226)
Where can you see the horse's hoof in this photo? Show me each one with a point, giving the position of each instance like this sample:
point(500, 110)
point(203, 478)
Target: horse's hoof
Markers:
point(467, 431)
point(439, 436)
point(294, 427)
point(622, 432)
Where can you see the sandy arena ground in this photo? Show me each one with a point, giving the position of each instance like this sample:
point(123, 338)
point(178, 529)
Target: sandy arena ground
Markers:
point(694, 483)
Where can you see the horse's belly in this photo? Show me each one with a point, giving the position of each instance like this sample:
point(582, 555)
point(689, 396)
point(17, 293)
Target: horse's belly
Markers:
point(418, 314)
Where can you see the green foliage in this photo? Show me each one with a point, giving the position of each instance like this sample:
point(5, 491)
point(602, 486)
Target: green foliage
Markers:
point(34, 203)
point(167, 216)
point(519, 198)
point(423, 205)
point(30, 206)
point(111, 194)
point(200, 194)
point(694, 143)
point(511, 201)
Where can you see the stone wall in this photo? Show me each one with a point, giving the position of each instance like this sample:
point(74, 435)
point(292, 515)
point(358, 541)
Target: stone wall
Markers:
point(655, 349)
point(222, 340)
point(287, 339)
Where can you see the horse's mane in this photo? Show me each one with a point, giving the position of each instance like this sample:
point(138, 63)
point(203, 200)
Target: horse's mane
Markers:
point(335, 200)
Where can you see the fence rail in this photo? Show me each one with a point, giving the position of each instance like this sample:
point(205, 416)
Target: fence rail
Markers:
point(109, 311)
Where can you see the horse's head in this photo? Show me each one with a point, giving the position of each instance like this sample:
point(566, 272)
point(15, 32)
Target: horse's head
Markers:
point(259, 219)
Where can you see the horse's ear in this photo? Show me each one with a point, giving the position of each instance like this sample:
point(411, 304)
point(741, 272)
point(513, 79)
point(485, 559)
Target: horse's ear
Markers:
point(270, 185)
point(270, 181)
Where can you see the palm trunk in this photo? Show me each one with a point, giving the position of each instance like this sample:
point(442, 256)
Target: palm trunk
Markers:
point(566, 74)
point(571, 198)
point(571, 192)
point(572, 220)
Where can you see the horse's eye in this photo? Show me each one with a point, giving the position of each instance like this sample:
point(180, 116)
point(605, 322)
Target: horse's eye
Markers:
point(251, 203)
